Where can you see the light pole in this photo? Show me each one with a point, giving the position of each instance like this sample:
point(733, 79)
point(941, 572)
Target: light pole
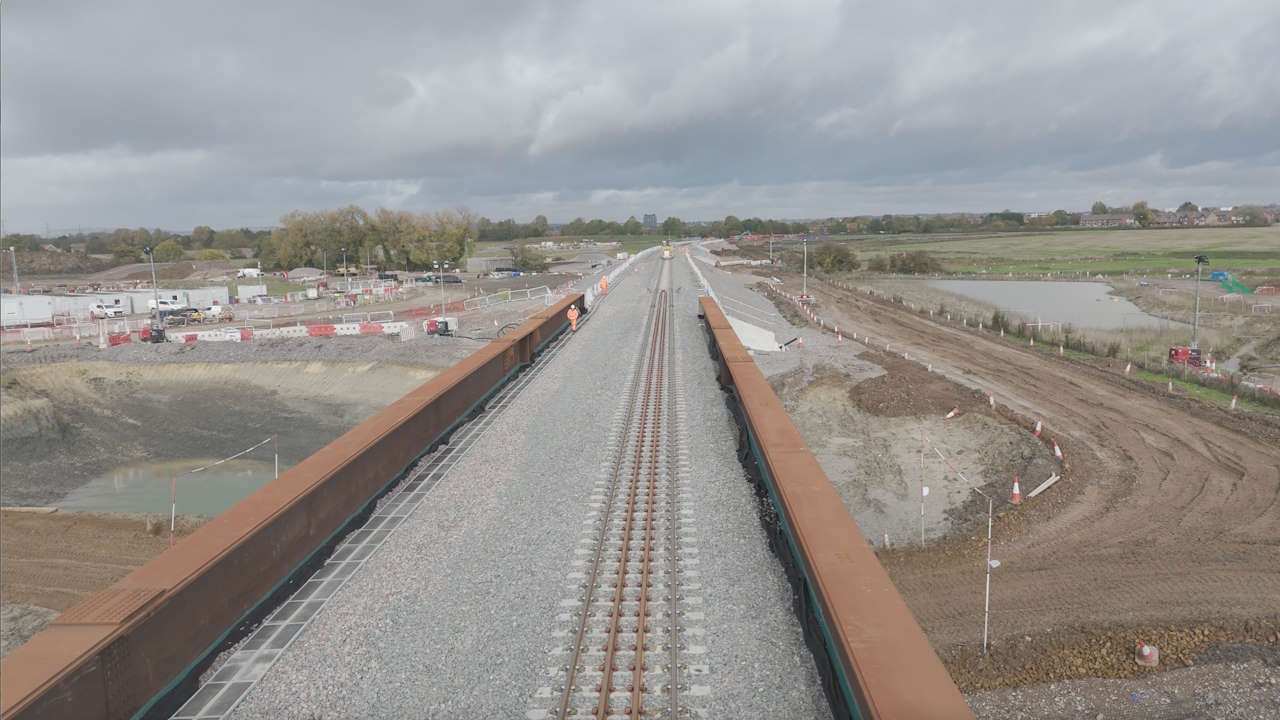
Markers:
point(346, 271)
point(440, 280)
point(14, 252)
point(155, 289)
point(991, 564)
point(804, 291)
point(1195, 323)
point(771, 249)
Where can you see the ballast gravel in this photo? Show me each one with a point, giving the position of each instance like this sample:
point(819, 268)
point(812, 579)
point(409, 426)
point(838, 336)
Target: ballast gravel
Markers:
point(453, 617)
point(759, 665)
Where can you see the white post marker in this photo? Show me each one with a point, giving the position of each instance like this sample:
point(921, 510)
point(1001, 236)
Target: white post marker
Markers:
point(924, 490)
point(276, 446)
point(173, 509)
point(991, 565)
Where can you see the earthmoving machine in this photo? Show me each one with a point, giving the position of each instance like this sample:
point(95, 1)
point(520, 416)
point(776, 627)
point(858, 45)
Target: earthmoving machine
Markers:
point(1182, 354)
point(666, 250)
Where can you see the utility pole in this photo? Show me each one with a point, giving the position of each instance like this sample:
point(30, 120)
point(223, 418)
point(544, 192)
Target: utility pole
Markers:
point(155, 289)
point(771, 249)
point(14, 252)
point(1195, 324)
point(804, 291)
point(346, 271)
point(440, 280)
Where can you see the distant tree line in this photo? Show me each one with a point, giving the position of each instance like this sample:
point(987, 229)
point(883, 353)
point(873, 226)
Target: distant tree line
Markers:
point(1146, 217)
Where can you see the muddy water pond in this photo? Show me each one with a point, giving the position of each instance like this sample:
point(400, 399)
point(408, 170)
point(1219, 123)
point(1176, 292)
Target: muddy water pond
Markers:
point(146, 487)
point(1082, 304)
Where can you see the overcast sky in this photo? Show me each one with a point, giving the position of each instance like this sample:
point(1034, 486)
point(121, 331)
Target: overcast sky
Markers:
point(175, 113)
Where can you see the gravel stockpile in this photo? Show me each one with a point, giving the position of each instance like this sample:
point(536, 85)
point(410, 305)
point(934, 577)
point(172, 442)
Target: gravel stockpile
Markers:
point(759, 665)
point(452, 617)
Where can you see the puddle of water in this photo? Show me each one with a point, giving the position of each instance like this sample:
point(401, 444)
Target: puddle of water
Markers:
point(146, 487)
point(1082, 304)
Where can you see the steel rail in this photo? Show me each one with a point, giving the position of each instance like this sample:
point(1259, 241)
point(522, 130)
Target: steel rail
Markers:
point(593, 577)
point(648, 428)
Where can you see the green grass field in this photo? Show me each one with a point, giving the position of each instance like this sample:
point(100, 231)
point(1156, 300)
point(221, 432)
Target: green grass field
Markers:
point(1106, 252)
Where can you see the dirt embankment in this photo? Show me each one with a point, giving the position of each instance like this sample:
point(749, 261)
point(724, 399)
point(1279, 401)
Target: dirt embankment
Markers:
point(65, 424)
point(878, 451)
point(49, 562)
point(1163, 527)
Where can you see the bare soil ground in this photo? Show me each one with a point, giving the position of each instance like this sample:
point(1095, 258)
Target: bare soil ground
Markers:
point(64, 424)
point(870, 447)
point(49, 562)
point(1165, 526)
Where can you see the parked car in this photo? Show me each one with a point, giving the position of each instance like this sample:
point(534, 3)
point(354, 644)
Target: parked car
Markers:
point(217, 312)
point(100, 311)
point(450, 279)
point(166, 306)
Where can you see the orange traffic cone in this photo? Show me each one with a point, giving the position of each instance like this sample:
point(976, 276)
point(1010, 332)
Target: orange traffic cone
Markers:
point(1057, 451)
point(1147, 655)
point(954, 411)
point(991, 400)
point(1233, 402)
point(1016, 498)
point(1039, 426)
point(1127, 367)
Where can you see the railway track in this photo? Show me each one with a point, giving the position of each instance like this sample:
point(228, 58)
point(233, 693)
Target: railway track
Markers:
point(624, 646)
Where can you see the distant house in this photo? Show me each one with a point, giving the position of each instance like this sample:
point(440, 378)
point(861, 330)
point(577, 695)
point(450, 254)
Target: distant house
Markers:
point(1107, 220)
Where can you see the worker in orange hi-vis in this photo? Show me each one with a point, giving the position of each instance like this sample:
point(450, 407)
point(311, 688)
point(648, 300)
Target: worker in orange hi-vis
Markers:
point(573, 318)
point(604, 285)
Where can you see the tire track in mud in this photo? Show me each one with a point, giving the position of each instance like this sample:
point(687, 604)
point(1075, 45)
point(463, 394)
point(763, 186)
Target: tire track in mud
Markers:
point(1168, 516)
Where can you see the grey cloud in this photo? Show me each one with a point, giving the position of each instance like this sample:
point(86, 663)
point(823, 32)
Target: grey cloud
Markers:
point(173, 114)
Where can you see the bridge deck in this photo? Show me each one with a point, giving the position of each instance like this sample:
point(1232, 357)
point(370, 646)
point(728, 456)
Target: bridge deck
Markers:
point(457, 612)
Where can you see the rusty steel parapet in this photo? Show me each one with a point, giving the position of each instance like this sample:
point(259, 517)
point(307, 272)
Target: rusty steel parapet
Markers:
point(874, 659)
point(136, 648)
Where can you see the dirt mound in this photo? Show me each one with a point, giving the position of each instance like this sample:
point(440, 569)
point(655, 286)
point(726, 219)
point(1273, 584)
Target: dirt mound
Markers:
point(873, 459)
point(910, 389)
point(1075, 653)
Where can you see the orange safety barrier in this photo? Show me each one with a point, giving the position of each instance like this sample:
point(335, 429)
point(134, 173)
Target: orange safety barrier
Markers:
point(874, 659)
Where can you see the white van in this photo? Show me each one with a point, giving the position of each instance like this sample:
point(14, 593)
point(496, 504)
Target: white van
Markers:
point(100, 311)
point(248, 273)
point(165, 305)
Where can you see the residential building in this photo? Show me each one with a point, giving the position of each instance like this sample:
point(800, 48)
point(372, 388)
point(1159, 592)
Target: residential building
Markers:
point(1107, 220)
point(650, 221)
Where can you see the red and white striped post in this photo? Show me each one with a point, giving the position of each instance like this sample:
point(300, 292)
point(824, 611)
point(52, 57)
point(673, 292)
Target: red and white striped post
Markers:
point(275, 439)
